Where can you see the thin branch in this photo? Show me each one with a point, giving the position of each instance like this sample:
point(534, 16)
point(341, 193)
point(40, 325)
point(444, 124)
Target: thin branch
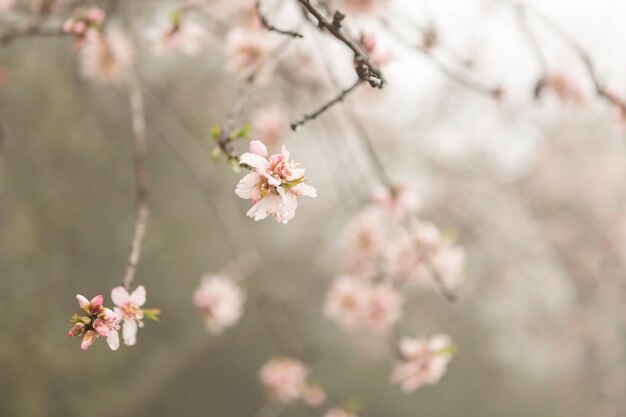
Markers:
point(366, 69)
point(295, 126)
point(142, 208)
point(267, 25)
point(33, 28)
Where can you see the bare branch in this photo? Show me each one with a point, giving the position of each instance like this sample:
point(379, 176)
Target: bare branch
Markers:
point(295, 126)
point(267, 25)
point(142, 208)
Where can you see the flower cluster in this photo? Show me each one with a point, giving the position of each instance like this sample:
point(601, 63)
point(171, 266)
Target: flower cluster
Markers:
point(99, 321)
point(389, 248)
point(220, 301)
point(285, 380)
point(357, 304)
point(424, 361)
point(274, 184)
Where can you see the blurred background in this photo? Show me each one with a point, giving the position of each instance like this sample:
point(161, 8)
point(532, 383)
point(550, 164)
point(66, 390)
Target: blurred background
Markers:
point(533, 187)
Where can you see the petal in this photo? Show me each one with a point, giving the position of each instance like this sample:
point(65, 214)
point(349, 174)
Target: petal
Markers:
point(138, 297)
point(82, 301)
point(119, 295)
point(253, 160)
point(76, 329)
point(248, 186)
point(101, 328)
point(258, 212)
point(113, 340)
point(257, 147)
point(129, 331)
point(97, 300)
point(305, 189)
point(285, 152)
point(88, 339)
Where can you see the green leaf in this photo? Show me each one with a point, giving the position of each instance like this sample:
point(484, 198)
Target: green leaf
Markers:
point(243, 133)
point(216, 131)
point(152, 313)
point(234, 165)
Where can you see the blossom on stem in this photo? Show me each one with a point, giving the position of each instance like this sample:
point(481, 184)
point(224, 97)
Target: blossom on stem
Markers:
point(178, 34)
point(96, 321)
point(274, 184)
point(284, 379)
point(82, 22)
point(128, 308)
point(424, 361)
point(220, 301)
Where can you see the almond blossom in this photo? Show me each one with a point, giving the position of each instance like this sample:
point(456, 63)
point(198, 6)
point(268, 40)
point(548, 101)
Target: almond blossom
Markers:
point(84, 21)
point(178, 34)
point(359, 305)
point(246, 50)
point(424, 361)
point(398, 201)
point(97, 321)
point(274, 184)
point(6, 5)
point(106, 57)
point(128, 308)
point(220, 301)
point(284, 379)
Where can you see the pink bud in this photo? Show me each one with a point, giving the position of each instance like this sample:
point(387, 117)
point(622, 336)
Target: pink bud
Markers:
point(82, 302)
point(97, 16)
point(88, 339)
point(76, 329)
point(101, 327)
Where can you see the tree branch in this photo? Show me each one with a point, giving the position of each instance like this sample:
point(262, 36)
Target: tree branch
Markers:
point(267, 25)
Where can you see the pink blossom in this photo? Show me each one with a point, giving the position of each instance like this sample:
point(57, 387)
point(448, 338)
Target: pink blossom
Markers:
point(106, 57)
point(220, 301)
point(424, 361)
point(98, 321)
point(284, 379)
point(128, 308)
point(83, 21)
point(359, 305)
point(183, 35)
point(370, 43)
point(246, 50)
point(6, 5)
point(274, 184)
point(270, 125)
point(338, 412)
point(398, 201)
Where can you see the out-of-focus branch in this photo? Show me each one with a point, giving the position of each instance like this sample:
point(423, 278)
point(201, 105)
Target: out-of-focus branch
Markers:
point(366, 69)
point(142, 208)
point(295, 126)
point(32, 28)
point(599, 87)
point(267, 25)
point(429, 41)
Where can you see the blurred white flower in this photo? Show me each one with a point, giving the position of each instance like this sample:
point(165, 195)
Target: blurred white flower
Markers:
point(424, 361)
point(220, 301)
point(178, 35)
point(284, 379)
point(246, 51)
point(106, 57)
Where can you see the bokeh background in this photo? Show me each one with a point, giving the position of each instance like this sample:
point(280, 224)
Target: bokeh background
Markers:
point(535, 190)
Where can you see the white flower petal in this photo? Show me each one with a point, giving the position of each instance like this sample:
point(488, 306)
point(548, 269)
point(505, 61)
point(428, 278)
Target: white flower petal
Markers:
point(248, 186)
point(138, 297)
point(119, 295)
point(257, 147)
point(113, 340)
point(253, 160)
point(129, 332)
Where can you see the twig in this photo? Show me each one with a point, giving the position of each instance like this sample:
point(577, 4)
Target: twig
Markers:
point(366, 69)
point(31, 29)
point(142, 208)
point(295, 126)
point(267, 25)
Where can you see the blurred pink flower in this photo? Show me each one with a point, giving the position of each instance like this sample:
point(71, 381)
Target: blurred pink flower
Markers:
point(284, 379)
point(6, 5)
point(270, 125)
point(370, 43)
point(220, 301)
point(183, 35)
point(128, 308)
point(424, 361)
point(246, 50)
point(399, 201)
point(106, 57)
point(274, 184)
point(98, 321)
point(360, 6)
point(84, 20)
point(359, 305)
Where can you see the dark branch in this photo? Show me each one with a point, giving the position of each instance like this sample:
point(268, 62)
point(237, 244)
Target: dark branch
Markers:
point(267, 25)
point(312, 116)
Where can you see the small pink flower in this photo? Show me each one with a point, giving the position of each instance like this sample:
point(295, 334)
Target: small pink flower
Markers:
point(83, 21)
point(270, 124)
point(220, 301)
point(424, 361)
point(98, 321)
point(106, 57)
point(382, 309)
point(128, 308)
point(246, 50)
point(274, 184)
point(370, 43)
point(284, 379)
point(6, 5)
point(178, 35)
point(398, 201)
